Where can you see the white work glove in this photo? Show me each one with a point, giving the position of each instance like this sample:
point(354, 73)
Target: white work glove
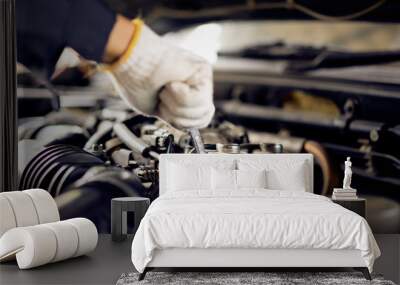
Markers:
point(158, 78)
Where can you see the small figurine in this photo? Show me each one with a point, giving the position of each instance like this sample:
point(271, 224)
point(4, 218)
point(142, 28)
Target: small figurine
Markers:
point(347, 174)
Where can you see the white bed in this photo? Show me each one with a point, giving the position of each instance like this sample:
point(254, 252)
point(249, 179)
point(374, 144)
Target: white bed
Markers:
point(197, 223)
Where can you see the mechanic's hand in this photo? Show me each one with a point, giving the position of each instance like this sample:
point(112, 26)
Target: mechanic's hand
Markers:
point(158, 78)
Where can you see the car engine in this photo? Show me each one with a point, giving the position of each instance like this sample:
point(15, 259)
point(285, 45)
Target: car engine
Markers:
point(81, 143)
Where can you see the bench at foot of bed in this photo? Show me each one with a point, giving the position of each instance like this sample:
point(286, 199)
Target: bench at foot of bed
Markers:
point(363, 270)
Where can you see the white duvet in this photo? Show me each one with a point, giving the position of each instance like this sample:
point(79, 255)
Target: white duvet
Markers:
point(250, 219)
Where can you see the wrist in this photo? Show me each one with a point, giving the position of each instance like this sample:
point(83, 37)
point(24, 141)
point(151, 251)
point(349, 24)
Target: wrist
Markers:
point(119, 40)
point(139, 70)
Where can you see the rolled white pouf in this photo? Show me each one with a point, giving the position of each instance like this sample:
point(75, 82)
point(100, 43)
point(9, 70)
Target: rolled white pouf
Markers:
point(7, 218)
point(45, 205)
point(37, 245)
point(87, 234)
point(23, 208)
point(67, 240)
point(33, 246)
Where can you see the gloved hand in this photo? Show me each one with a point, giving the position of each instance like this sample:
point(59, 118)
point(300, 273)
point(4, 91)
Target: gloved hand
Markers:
point(161, 79)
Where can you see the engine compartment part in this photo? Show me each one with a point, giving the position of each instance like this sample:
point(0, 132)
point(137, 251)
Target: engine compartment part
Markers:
point(91, 153)
point(84, 162)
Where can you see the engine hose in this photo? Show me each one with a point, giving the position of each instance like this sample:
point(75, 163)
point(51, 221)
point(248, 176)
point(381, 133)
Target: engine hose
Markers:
point(97, 136)
point(322, 159)
point(170, 144)
point(132, 141)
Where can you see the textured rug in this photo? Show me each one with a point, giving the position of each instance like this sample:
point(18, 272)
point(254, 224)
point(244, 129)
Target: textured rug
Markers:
point(243, 278)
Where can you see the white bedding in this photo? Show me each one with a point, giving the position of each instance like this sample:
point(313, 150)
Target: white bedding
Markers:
point(252, 218)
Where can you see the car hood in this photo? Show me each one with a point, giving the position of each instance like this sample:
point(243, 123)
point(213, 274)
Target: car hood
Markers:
point(169, 15)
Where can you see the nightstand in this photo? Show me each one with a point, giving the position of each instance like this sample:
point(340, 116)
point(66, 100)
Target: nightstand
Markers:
point(357, 205)
point(119, 209)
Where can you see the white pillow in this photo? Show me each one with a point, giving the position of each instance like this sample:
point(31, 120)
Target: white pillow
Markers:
point(224, 179)
point(183, 177)
point(251, 178)
point(281, 174)
point(291, 179)
point(231, 180)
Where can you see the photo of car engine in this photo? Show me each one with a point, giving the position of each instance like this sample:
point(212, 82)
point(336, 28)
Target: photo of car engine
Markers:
point(282, 93)
point(199, 142)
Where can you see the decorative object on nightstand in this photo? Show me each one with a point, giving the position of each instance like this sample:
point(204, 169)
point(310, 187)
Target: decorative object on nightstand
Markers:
point(345, 193)
point(347, 196)
point(347, 174)
point(357, 205)
point(119, 209)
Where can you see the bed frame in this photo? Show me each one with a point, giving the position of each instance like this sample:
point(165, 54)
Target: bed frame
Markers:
point(241, 259)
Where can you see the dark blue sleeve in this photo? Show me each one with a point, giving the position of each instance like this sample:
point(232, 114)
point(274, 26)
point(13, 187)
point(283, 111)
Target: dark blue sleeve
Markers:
point(46, 27)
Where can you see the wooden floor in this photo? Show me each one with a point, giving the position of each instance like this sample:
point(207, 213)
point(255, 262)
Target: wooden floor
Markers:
point(110, 260)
